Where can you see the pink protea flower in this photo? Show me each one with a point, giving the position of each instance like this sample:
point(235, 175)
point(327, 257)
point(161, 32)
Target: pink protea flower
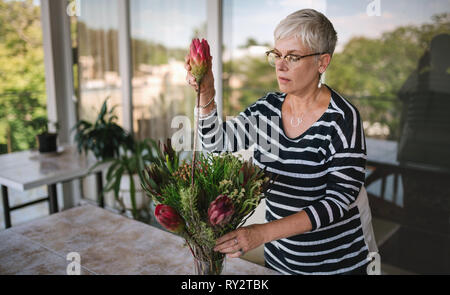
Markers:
point(199, 58)
point(220, 210)
point(246, 173)
point(169, 218)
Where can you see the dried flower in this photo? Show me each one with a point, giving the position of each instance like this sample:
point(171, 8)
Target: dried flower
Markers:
point(184, 171)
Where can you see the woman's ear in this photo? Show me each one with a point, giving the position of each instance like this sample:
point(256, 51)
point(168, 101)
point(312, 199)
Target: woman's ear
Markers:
point(324, 61)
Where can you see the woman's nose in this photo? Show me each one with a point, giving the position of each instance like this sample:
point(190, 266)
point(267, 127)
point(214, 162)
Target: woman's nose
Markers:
point(281, 65)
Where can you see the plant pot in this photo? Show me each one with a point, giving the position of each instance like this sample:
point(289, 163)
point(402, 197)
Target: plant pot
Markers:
point(142, 200)
point(47, 142)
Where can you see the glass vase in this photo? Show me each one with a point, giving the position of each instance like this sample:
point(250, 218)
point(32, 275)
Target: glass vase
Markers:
point(208, 267)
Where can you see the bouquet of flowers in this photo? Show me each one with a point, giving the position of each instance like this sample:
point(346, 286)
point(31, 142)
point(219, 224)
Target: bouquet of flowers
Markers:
point(225, 193)
point(226, 189)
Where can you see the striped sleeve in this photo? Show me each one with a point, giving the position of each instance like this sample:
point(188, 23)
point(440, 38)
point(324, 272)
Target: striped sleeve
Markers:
point(229, 136)
point(345, 175)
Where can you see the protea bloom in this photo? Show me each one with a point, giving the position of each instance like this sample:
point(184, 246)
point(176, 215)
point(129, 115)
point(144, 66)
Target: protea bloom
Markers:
point(199, 58)
point(246, 173)
point(168, 149)
point(169, 218)
point(168, 154)
point(220, 210)
point(154, 179)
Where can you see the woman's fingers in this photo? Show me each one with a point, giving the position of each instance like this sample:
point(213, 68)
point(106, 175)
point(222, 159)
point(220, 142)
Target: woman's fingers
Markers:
point(226, 245)
point(226, 237)
point(235, 254)
point(232, 243)
point(237, 242)
point(189, 78)
point(187, 66)
point(230, 247)
point(230, 250)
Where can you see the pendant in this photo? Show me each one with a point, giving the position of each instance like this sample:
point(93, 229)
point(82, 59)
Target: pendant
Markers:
point(299, 121)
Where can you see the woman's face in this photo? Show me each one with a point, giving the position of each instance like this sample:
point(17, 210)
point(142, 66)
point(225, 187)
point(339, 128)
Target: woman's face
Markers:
point(299, 76)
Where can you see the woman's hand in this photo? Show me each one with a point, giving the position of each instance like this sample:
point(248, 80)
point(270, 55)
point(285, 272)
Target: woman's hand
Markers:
point(244, 239)
point(207, 84)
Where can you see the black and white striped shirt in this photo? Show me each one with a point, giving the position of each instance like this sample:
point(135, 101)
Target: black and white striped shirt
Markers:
point(321, 172)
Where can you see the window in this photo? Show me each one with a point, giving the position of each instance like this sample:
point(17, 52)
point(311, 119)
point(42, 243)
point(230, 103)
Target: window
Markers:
point(161, 34)
point(98, 60)
point(392, 63)
point(22, 78)
point(22, 92)
point(248, 33)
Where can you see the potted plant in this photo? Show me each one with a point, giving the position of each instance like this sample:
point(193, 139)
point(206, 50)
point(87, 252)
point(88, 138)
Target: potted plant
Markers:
point(104, 136)
point(124, 172)
point(46, 140)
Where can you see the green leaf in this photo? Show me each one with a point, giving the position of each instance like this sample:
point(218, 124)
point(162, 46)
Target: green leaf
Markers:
point(133, 197)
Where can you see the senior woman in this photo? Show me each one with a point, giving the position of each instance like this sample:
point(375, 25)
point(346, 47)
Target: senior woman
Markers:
point(318, 154)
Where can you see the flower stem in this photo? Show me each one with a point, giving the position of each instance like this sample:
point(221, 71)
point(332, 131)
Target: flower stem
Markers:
point(195, 136)
point(190, 248)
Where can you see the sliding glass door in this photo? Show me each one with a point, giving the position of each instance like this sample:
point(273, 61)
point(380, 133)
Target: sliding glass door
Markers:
point(98, 58)
point(161, 32)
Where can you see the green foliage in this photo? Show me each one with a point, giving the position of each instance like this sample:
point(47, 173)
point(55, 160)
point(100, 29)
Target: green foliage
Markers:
point(103, 137)
point(129, 162)
point(40, 125)
point(157, 180)
point(22, 79)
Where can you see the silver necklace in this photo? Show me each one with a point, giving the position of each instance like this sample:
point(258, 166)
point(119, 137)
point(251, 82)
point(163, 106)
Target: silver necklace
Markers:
point(300, 118)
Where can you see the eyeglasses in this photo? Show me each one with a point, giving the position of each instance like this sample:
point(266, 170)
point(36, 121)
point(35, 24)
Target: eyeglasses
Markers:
point(291, 59)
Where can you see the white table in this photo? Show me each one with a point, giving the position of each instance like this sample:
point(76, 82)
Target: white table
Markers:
point(106, 243)
point(30, 169)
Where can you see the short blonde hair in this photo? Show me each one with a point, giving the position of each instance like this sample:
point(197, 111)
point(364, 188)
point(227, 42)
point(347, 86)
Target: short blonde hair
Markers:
point(312, 27)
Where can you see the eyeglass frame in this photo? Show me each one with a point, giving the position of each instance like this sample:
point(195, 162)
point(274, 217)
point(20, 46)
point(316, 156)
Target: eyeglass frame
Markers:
point(294, 55)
